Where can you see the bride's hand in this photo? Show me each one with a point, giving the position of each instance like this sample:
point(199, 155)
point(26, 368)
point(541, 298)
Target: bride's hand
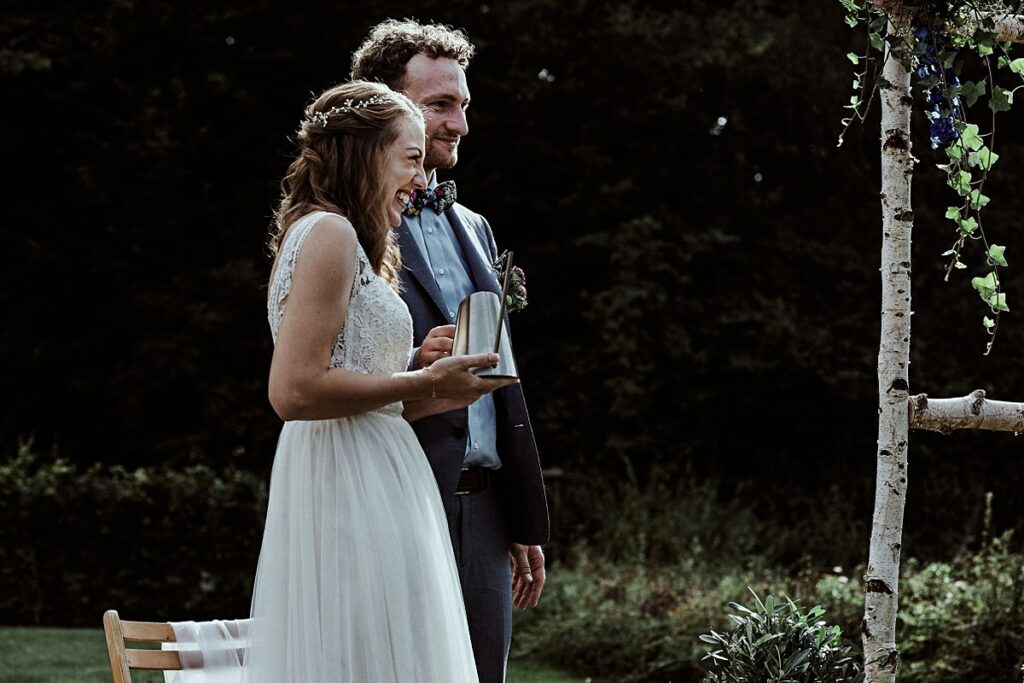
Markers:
point(454, 386)
point(451, 377)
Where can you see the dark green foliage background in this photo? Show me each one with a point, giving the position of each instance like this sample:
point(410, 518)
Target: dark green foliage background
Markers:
point(704, 304)
point(152, 543)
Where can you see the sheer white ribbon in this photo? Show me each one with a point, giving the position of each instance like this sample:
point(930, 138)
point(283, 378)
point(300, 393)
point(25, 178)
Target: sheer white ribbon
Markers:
point(210, 651)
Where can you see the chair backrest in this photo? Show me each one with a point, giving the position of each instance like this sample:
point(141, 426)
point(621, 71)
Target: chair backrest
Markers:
point(123, 659)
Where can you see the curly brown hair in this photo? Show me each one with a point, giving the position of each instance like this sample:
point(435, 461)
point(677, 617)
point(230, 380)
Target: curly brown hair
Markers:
point(392, 43)
point(340, 164)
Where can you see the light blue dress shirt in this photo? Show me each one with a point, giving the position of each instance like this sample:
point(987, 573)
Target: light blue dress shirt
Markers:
point(443, 254)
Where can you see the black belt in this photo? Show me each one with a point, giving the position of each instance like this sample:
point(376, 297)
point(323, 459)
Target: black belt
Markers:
point(473, 480)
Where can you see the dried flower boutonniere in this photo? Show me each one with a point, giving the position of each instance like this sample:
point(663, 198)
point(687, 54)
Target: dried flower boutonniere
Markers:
point(515, 298)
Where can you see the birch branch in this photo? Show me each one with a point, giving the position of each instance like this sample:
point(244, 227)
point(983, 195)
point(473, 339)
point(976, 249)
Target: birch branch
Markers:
point(973, 411)
point(1010, 29)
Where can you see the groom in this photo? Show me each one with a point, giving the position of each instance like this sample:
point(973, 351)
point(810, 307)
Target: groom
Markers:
point(484, 457)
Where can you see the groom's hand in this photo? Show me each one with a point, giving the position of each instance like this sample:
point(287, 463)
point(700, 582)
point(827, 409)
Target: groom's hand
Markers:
point(436, 345)
point(527, 575)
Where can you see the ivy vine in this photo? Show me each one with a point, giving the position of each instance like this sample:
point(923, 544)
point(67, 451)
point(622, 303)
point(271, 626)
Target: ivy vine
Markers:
point(942, 40)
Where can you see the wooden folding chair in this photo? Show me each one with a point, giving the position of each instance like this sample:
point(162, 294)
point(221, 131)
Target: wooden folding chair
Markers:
point(123, 659)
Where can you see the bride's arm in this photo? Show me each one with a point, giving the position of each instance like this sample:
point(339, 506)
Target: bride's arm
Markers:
point(303, 386)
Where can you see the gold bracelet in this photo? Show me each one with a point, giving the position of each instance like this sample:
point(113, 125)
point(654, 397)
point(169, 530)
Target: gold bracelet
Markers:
point(433, 385)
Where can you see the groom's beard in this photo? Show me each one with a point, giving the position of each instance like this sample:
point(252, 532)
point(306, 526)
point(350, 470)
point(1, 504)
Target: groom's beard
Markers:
point(441, 154)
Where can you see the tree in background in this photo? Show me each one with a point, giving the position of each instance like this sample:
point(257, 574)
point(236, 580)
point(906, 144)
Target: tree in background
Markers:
point(926, 39)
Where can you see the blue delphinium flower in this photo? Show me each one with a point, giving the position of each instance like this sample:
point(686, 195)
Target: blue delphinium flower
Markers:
point(932, 42)
point(943, 132)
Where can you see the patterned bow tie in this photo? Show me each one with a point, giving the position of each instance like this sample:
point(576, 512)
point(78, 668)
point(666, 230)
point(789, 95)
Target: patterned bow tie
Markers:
point(438, 199)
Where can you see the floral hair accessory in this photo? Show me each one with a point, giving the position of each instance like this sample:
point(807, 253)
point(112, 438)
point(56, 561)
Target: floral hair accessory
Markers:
point(346, 107)
point(515, 298)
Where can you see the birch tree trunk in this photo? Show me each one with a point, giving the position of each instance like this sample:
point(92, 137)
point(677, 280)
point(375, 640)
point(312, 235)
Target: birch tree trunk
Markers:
point(881, 580)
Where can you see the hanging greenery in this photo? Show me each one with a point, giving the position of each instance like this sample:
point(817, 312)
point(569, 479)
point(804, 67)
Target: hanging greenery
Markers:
point(945, 40)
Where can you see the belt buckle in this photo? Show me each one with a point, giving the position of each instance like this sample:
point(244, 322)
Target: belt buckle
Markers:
point(457, 491)
point(474, 484)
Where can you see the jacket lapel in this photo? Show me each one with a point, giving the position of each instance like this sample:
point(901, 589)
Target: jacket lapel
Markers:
point(476, 257)
point(412, 261)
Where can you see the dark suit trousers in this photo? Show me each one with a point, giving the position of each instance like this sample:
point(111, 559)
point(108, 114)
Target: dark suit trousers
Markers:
point(480, 542)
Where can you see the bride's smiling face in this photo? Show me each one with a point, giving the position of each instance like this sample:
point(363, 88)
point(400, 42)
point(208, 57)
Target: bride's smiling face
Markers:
point(403, 168)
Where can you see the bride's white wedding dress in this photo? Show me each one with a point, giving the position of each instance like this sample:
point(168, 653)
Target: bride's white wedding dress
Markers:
point(356, 579)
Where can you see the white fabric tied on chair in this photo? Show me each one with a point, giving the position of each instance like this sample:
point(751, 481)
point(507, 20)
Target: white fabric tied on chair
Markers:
point(210, 651)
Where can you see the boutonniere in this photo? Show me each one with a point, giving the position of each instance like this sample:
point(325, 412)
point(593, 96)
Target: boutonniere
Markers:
point(515, 298)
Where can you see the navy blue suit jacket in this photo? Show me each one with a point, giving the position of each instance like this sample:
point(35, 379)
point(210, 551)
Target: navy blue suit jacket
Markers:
point(443, 436)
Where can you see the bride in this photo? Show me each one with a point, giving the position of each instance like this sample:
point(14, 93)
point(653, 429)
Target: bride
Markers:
point(356, 578)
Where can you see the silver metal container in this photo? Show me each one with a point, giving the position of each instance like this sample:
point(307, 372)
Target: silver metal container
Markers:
point(479, 328)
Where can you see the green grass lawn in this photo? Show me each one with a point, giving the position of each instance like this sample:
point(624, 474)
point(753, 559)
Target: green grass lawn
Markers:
point(79, 655)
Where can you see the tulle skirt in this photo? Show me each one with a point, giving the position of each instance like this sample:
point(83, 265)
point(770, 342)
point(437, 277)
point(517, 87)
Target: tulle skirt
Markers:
point(356, 580)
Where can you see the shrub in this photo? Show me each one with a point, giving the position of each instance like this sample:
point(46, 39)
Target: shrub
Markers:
point(960, 621)
point(964, 620)
point(624, 623)
point(777, 641)
point(153, 542)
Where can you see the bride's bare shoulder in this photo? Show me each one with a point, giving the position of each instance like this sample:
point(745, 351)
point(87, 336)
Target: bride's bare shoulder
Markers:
point(327, 252)
point(331, 243)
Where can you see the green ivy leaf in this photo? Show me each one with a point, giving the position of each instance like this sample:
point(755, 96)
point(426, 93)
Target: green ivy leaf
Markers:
point(959, 265)
point(998, 302)
point(986, 286)
point(970, 91)
point(1017, 66)
point(852, 56)
point(876, 41)
point(970, 137)
point(1001, 99)
point(961, 182)
point(955, 152)
point(851, 21)
point(953, 213)
point(968, 225)
point(995, 254)
point(988, 322)
point(984, 42)
point(983, 158)
point(977, 199)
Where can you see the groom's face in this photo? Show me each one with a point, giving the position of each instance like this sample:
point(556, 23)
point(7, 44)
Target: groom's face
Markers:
point(439, 87)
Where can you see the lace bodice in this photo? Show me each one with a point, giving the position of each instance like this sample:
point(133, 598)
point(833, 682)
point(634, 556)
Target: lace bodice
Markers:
point(377, 334)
